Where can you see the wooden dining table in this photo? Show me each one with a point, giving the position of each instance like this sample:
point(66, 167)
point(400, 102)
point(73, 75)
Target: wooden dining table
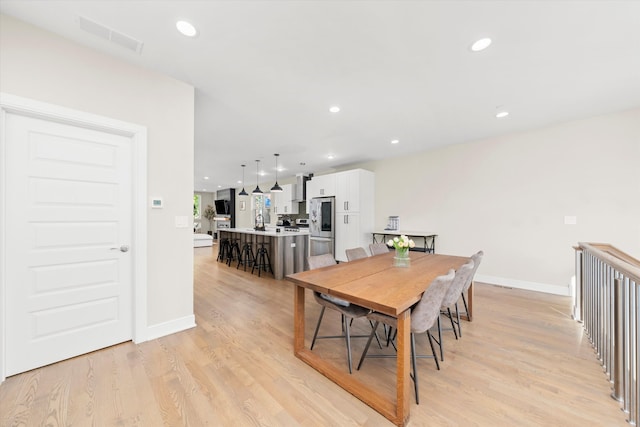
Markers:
point(374, 283)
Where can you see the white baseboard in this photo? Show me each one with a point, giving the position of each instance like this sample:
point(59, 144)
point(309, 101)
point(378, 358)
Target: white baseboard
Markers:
point(523, 284)
point(168, 328)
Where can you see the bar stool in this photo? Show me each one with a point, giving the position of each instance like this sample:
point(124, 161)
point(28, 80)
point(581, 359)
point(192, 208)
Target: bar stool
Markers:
point(262, 260)
point(223, 252)
point(234, 251)
point(246, 254)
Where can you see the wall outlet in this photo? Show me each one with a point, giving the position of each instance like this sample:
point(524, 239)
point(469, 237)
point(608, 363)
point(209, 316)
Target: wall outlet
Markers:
point(293, 245)
point(570, 220)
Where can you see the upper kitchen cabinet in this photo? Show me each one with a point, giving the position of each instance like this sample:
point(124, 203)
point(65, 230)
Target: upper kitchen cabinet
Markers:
point(320, 186)
point(354, 189)
point(283, 202)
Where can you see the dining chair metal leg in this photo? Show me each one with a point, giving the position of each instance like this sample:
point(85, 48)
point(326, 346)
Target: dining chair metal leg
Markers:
point(315, 334)
point(459, 324)
point(366, 347)
point(440, 343)
point(413, 364)
point(376, 334)
point(414, 367)
point(370, 323)
point(392, 337)
point(464, 301)
point(347, 337)
point(455, 332)
point(433, 350)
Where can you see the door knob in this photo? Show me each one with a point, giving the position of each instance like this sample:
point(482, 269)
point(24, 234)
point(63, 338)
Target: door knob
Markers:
point(123, 248)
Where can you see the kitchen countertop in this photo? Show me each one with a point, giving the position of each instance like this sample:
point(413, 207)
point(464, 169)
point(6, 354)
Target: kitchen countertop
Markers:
point(271, 232)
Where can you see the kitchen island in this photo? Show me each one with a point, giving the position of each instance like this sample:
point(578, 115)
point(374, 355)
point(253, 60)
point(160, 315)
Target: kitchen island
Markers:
point(287, 249)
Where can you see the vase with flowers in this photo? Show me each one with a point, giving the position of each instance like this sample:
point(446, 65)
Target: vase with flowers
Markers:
point(402, 245)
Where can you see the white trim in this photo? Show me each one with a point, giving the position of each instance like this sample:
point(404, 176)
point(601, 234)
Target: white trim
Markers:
point(139, 205)
point(3, 240)
point(138, 134)
point(523, 284)
point(171, 327)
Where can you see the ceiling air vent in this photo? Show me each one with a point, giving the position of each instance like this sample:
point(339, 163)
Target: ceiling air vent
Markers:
point(110, 34)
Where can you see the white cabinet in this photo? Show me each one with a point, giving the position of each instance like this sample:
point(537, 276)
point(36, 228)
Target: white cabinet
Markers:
point(354, 206)
point(354, 210)
point(348, 194)
point(349, 234)
point(321, 186)
point(283, 203)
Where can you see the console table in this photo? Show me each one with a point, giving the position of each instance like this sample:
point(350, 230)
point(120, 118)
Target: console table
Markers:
point(428, 239)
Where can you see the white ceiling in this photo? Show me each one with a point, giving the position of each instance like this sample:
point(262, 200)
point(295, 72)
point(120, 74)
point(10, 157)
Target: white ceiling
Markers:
point(266, 72)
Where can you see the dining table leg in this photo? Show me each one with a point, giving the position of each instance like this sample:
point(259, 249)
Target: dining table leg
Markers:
point(396, 412)
point(403, 370)
point(298, 319)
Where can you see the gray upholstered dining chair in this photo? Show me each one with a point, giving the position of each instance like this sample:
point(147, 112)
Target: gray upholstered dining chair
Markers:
point(378, 248)
point(463, 274)
point(423, 316)
point(347, 310)
point(477, 258)
point(355, 253)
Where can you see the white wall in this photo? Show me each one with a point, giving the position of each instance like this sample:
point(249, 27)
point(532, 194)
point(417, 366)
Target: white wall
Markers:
point(42, 66)
point(508, 196)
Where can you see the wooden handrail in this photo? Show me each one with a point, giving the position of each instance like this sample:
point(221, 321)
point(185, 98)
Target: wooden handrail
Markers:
point(616, 258)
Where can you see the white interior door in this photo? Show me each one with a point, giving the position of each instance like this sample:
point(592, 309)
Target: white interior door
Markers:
point(68, 227)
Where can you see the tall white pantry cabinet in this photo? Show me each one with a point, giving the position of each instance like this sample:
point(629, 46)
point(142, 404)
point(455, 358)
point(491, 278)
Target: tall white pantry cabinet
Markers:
point(354, 206)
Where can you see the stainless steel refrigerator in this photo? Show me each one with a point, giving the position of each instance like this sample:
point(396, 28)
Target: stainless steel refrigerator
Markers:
point(322, 226)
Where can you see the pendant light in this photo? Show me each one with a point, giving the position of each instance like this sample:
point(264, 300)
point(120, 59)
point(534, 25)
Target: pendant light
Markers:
point(257, 190)
point(243, 192)
point(276, 188)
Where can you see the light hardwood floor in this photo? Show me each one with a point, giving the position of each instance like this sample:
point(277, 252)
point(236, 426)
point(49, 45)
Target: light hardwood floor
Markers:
point(521, 362)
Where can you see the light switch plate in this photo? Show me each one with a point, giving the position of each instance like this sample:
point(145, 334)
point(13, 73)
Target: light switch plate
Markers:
point(182, 221)
point(570, 220)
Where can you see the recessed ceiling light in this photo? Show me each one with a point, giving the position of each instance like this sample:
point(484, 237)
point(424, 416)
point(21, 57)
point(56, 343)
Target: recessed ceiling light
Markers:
point(502, 113)
point(186, 28)
point(204, 189)
point(239, 181)
point(219, 186)
point(330, 157)
point(206, 177)
point(334, 109)
point(395, 141)
point(481, 44)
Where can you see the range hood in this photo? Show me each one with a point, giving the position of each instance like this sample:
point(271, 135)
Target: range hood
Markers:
point(301, 188)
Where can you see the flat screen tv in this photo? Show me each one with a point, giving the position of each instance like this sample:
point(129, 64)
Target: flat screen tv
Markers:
point(222, 207)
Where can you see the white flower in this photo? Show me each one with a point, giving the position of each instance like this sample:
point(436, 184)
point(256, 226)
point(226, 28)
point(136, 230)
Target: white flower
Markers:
point(402, 242)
